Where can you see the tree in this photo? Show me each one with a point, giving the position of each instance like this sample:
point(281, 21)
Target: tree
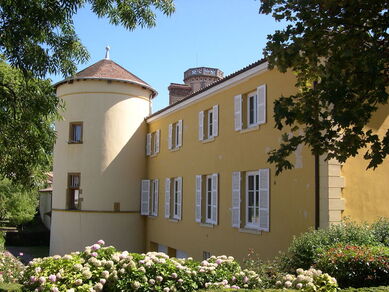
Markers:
point(339, 53)
point(37, 37)
point(17, 204)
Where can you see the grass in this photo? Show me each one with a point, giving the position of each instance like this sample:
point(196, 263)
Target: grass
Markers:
point(10, 287)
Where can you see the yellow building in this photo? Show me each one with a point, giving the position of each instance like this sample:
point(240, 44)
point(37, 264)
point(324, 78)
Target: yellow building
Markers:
point(192, 179)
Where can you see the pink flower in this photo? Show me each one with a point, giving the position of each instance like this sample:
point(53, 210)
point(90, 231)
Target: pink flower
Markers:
point(101, 242)
point(245, 279)
point(94, 254)
point(219, 261)
point(52, 278)
point(21, 254)
point(96, 246)
point(32, 279)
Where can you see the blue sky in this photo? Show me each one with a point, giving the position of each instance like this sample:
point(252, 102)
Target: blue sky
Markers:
point(225, 34)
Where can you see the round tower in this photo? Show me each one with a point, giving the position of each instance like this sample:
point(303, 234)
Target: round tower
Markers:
point(99, 159)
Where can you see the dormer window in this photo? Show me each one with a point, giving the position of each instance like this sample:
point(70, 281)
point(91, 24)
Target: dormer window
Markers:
point(75, 132)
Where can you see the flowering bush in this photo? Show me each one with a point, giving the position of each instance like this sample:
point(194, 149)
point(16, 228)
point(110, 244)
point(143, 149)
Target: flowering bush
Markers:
point(101, 267)
point(304, 248)
point(308, 280)
point(11, 269)
point(356, 266)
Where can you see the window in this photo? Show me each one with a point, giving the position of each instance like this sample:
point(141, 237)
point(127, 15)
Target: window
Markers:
point(152, 143)
point(75, 132)
point(149, 197)
point(175, 135)
point(250, 109)
point(208, 123)
point(251, 207)
point(207, 199)
point(73, 197)
point(206, 255)
point(173, 198)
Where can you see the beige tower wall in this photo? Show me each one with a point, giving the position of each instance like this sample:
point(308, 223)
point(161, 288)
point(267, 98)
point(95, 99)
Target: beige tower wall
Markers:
point(111, 163)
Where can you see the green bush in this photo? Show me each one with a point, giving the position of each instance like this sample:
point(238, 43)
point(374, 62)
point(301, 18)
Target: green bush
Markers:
point(356, 266)
point(10, 287)
point(11, 269)
point(99, 268)
point(303, 249)
point(2, 240)
point(380, 230)
point(369, 289)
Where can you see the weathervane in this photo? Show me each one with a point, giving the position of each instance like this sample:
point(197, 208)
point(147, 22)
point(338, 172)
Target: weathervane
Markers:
point(107, 48)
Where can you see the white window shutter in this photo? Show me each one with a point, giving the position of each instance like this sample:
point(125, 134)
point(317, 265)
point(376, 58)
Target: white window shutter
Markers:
point(155, 203)
point(148, 144)
point(201, 125)
point(167, 198)
point(236, 199)
point(145, 197)
point(264, 198)
point(215, 123)
point(157, 137)
point(179, 198)
point(179, 144)
point(170, 137)
point(214, 213)
point(238, 112)
point(198, 198)
point(261, 104)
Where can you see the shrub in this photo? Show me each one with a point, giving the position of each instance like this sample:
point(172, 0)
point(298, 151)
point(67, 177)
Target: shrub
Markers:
point(369, 289)
point(269, 271)
point(356, 266)
point(11, 269)
point(10, 287)
point(303, 249)
point(309, 281)
point(380, 230)
point(101, 267)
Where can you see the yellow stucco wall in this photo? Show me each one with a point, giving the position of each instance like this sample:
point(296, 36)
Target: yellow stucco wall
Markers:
point(366, 193)
point(291, 194)
point(111, 161)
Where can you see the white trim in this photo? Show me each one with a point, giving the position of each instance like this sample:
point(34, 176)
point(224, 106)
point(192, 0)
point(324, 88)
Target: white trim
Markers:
point(253, 95)
point(208, 192)
point(201, 125)
point(251, 225)
point(222, 86)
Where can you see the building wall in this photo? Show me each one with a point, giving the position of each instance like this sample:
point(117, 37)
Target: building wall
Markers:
point(291, 194)
point(111, 162)
point(366, 193)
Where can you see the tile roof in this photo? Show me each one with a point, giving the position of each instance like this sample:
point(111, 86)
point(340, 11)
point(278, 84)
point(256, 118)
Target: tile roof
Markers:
point(106, 69)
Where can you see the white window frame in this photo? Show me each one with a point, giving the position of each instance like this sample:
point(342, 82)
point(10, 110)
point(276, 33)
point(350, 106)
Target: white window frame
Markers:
point(154, 197)
point(177, 198)
point(210, 133)
point(252, 95)
point(176, 135)
point(251, 224)
point(208, 199)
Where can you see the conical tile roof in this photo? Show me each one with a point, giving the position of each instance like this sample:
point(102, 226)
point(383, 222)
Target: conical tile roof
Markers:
point(106, 69)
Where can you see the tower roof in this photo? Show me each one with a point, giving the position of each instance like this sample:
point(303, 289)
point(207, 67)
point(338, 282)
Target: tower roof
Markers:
point(106, 69)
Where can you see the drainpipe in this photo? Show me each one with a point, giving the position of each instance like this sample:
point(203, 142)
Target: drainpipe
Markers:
point(317, 192)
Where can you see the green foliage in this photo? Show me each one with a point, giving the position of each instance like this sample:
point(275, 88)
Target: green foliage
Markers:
point(106, 268)
point(368, 289)
point(269, 271)
point(2, 240)
point(17, 204)
point(39, 37)
point(10, 268)
point(338, 51)
point(309, 281)
point(380, 231)
point(356, 266)
point(28, 108)
point(10, 287)
point(303, 249)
